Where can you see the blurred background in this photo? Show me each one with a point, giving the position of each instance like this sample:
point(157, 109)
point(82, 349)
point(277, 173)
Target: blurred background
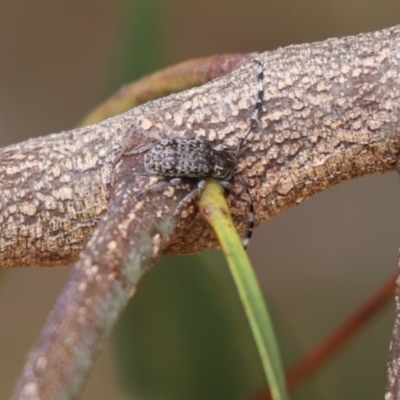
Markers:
point(183, 336)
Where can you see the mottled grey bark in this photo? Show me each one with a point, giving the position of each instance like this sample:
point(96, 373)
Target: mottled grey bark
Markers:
point(330, 113)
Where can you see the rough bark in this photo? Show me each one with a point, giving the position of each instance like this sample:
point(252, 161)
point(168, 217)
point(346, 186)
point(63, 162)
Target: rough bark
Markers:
point(330, 114)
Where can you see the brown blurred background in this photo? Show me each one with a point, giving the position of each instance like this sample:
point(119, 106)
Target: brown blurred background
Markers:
point(316, 263)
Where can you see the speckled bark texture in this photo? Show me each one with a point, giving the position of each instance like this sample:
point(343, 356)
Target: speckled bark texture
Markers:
point(330, 113)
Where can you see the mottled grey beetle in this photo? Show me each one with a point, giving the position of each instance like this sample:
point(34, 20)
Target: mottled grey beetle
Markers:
point(189, 158)
point(196, 158)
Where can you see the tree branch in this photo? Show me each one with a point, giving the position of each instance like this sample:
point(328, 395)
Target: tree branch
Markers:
point(101, 283)
point(330, 114)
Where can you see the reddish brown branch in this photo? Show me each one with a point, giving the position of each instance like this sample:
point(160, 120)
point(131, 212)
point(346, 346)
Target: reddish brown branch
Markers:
point(322, 353)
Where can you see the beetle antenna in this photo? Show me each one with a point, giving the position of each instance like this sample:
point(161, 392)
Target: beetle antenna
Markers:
point(257, 110)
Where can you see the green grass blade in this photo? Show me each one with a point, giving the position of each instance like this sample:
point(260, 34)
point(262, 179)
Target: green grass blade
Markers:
point(215, 210)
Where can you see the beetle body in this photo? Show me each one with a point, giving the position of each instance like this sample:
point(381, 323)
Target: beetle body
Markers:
point(189, 158)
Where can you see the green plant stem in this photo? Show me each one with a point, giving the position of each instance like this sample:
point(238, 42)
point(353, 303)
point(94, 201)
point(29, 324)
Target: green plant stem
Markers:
point(215, 210)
